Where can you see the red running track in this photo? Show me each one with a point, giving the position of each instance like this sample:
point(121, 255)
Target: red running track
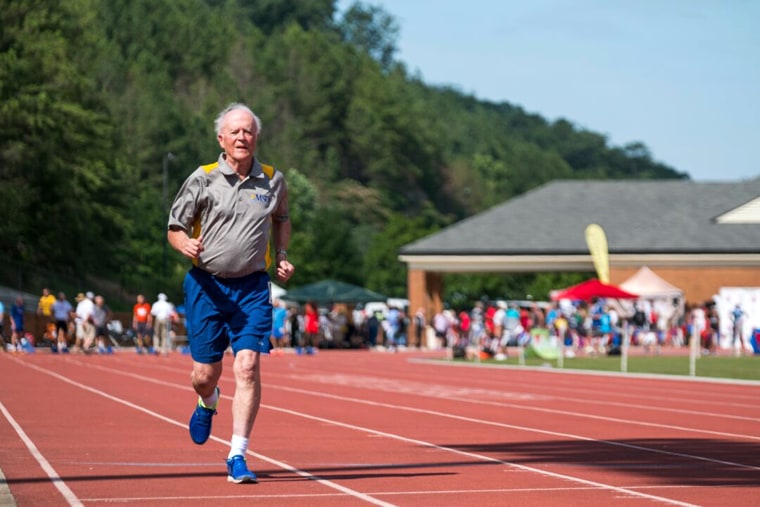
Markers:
point(357, 427)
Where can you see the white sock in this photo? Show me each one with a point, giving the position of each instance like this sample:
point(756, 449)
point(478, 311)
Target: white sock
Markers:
point(210, 402)
point(238, 446)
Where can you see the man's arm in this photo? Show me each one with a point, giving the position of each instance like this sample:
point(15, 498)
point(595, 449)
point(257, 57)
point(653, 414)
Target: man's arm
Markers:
point(184, 244)
point(281, 239)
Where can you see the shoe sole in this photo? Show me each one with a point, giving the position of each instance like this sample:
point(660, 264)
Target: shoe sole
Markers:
point(250, 480)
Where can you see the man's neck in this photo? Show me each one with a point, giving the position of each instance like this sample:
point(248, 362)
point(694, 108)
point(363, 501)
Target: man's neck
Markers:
point(241, 167)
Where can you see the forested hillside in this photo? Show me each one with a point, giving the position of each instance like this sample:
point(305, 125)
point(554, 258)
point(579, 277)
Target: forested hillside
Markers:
point(107, 105)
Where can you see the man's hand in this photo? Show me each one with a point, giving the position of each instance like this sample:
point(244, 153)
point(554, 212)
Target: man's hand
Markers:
point(193, 247)
point(284, 270)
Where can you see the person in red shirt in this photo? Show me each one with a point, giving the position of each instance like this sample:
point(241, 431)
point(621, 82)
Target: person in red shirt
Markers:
point(525, 319)
point(311, 327)
point(490, 312)
point(142, 323)
point(464, 326)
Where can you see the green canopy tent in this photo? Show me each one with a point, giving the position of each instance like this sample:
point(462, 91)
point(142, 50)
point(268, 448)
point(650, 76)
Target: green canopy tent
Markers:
point(332, 291)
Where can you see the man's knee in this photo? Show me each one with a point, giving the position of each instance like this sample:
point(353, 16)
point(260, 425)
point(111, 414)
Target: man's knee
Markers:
point(205, 376)
point(246, 365)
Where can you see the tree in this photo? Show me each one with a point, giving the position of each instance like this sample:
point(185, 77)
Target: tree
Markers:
point(58, 206)
point(271, 15)
point(384, 272)
point(373, 30)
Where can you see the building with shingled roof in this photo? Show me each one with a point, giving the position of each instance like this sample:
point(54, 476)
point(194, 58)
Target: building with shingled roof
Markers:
point(699, 236)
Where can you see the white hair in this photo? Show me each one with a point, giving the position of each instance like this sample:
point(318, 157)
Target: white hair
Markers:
point(235, 106)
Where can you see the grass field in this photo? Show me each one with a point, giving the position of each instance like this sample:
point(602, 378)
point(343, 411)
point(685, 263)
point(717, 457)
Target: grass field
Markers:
point(744, 368)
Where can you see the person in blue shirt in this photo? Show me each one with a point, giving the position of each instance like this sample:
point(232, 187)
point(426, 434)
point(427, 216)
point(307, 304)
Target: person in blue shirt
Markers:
point(737, 318)
point(17, 323)
point(2, 323)
point(279, 331)
point(62, 311)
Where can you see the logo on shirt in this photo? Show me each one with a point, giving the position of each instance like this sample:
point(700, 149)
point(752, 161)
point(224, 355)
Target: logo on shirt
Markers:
point(263, 198)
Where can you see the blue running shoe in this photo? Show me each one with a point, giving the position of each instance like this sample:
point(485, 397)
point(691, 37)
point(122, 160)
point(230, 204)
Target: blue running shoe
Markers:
point(200, 422)
point(237, 470)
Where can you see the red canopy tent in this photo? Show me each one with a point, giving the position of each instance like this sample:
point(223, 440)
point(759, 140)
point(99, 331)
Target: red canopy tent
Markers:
point(591, 289)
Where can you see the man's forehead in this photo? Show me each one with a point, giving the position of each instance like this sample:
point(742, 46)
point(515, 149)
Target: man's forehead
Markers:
point(239, 118)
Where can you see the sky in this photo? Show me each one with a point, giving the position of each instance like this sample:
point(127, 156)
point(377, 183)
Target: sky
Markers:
point(680, 76)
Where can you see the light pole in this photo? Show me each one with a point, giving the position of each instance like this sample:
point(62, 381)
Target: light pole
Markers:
point(168, 157)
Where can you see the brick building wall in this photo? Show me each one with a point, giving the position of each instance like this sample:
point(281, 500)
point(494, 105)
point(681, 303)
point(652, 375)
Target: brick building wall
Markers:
point(699, 284)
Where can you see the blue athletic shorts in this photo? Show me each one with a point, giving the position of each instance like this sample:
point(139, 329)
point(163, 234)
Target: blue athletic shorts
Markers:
point(227, 311)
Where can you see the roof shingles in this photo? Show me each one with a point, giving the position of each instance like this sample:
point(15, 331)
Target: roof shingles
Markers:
point(651, 216)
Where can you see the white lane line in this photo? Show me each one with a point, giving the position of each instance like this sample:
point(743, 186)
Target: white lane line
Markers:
point(591, 373)
point(325, 482)
point(376, 384)
point(490, 423)
point(410, 493)
point(68, 495)
point(431, 445)
point(512, 426)
point(482, 457)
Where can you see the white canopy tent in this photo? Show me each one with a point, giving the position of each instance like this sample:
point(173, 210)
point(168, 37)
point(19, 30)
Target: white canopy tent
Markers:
point(648, 285)
point(656, 293)
point(277, 291)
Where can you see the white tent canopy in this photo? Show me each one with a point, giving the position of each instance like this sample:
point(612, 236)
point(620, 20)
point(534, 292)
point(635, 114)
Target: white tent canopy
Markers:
point(277, 291)
point(648, 285)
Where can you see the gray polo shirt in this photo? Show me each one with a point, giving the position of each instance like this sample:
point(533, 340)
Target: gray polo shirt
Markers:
point(232, 215)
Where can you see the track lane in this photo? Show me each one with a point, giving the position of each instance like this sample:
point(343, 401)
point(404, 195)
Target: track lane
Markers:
point(287, 419)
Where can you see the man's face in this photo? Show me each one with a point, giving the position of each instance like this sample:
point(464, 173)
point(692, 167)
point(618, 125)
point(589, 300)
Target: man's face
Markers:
point(238, 136)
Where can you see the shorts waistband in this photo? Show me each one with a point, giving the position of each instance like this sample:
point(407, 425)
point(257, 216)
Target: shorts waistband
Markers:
point(203, 272)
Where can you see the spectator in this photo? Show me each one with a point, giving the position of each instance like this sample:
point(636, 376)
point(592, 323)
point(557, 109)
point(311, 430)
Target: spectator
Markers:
point(464, 326)
point(163, 313)
point(419, 327)
point(501, 332)
point(488, 322)
point(537, 317)
point(525, 318)
point(142, 323)
point(603, 333)
point(2, 324)
point(101, 316)
point(85, 330)
point(441, 329)
point(311, 328)
point(402, 328)
point(393, 327)
point(325, 336)
point(373, 328)
point(279, 332)
point(712, 337)
point(294, 327)
point(17, 324)
point(477, 325)
point(561, 326)
point(45, 310)
point(552, 314)
point(359, 317)
point(62, 311)
point(737, 320)
point(513, 323)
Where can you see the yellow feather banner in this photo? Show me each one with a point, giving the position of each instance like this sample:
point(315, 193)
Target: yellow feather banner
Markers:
point(597, 245)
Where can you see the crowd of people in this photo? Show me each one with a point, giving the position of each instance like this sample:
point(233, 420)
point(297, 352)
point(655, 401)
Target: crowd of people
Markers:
point(598, 328)
point(308, 327)
point(87, 325)
point(486, 329)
